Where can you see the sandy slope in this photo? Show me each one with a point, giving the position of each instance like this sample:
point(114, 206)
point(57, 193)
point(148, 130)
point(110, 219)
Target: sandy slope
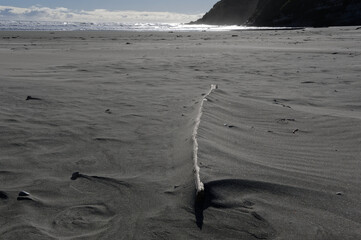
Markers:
point(279, 141)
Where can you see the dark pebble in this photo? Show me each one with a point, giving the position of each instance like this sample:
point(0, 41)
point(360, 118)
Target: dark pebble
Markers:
point(23, 194)
point(32, 98)
point(3, 195)
point(75, 176)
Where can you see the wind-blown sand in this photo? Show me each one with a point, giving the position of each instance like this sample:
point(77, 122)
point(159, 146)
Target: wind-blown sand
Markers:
point(103, 147)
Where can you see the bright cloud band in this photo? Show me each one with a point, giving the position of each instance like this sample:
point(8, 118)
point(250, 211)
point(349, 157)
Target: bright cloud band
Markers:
point(38, 13)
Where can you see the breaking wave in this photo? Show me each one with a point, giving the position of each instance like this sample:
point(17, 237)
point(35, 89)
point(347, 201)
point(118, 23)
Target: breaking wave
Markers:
point(21, 25)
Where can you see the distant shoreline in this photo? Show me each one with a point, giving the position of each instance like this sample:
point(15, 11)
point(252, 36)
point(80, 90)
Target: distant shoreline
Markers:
point(146, 27)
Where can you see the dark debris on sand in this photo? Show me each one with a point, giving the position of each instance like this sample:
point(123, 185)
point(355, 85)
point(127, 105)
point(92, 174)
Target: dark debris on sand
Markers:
point(3, 195)
point(75, 176)
point(23, 195)
point(32, 98)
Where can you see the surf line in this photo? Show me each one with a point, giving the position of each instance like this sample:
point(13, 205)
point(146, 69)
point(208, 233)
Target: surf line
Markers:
point(199, 184)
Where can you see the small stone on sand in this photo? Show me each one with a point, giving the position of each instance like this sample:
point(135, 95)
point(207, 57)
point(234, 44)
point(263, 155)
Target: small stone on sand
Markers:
point(32, 98)
point(23, 194)
point(3, 195)
point(75, 176)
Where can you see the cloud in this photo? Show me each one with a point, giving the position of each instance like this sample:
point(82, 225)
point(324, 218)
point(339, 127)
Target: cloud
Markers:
point(38, 13)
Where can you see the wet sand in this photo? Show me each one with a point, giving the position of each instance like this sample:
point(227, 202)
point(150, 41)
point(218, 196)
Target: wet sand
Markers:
point(97, 135)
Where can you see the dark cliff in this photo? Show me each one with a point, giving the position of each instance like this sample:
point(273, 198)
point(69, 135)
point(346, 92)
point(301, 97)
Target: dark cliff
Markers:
point(229, 12)
point(278, 13)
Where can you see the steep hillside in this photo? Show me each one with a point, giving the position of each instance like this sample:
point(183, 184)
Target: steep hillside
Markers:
point(229, 12)
point(315, 13)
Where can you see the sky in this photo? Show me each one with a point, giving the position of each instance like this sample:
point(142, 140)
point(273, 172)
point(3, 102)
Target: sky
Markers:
point(105, 10)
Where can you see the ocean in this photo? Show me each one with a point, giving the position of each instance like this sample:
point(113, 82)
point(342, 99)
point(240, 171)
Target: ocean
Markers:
point(113, 26)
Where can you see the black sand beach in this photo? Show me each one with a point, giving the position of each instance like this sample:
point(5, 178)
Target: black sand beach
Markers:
point(96, 134)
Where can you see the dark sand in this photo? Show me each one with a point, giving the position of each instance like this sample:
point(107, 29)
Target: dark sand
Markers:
point(279, 140)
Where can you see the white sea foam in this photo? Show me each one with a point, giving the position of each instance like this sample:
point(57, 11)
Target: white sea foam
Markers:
point(199, 184)
point(6, 25)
